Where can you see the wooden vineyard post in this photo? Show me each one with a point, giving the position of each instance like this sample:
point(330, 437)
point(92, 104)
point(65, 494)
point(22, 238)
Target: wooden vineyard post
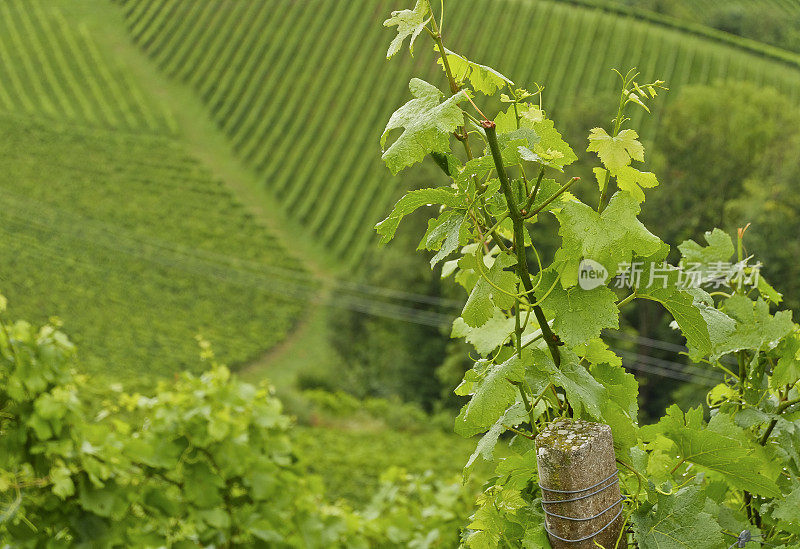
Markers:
point(580, 488)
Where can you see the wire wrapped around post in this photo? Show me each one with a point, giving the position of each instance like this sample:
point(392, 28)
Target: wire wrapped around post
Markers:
point(581, 497)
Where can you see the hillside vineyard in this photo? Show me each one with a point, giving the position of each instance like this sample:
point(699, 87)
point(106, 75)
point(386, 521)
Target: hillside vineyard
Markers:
point(254, 82)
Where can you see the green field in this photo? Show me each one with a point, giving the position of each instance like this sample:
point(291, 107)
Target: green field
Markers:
point(263, 88)
point(180, 171)
point(137, 249)
point(106, 220)
point(68, 95)
point(54, 67)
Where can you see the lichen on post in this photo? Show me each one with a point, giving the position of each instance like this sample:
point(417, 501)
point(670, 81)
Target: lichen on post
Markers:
point(580, 488)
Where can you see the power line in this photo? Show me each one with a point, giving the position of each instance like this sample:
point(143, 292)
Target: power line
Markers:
point(97, 229)
point(280, 287)
point(285, 282)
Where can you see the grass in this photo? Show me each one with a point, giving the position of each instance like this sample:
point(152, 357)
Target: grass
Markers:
point(303, 103)
point(137, 248)
point(115, 214)
point(53, 67)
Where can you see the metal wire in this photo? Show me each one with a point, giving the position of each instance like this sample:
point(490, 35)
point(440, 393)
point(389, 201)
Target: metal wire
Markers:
point(577, 498)
point(590, 536)
point(609, 477)
point(590, 494)
point(546, 512)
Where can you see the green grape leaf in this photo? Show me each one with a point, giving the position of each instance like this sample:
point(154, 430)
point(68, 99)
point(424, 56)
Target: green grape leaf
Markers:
point(580, 314)
point(535, 536)
point(621, 386)
point(703, 326)
point(410, 203)
point(512, 417)
point(631, 180)
point(610, 238)
point(448, 163)
point(517, 470)
point(596, 351)
point(719, 450)
point(493, 289)
point(427, 126)
point(583, 391)
point(787, 511)
point(409, 23)
point(483, 79)
point(719, 250)
point(445, 234)
point(616, 152)
point(486, 526)
point(755, 328)
point(550, 141)
point(528, 114)
point(787, 369)
point(489, 336)
point(768, 292)
point(677, 521)
point(492, 395)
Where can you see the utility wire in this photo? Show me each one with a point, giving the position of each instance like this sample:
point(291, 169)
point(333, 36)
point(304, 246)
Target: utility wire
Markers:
point(286, 282)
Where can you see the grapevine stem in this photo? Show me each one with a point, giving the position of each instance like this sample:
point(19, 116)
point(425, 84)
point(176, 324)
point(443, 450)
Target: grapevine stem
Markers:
point(517, 431)
point(436, 34)
point(519, 239)
point(535, 190)
point(627, 300)
point(782, 408)
point(558, 193)
point(480, 112)
point(617, 125)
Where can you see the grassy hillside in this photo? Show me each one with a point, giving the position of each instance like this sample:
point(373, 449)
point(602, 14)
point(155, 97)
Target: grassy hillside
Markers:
point(286, 82)
point(53, 67)
point(136, 248)
point(772, 22)
point(107, 221)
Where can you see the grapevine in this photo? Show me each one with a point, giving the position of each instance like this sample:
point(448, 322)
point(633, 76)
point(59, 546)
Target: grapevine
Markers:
point(692, 482)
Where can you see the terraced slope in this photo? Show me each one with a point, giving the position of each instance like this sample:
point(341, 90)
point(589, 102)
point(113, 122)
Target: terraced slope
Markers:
point(773, 22)
point(302, 88)
point(107, 222)
point(51, 66)
point(137, 248)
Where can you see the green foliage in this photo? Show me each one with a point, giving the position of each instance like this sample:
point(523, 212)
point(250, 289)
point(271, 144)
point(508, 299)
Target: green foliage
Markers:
point(610, 237)
point(738, 125)
point(138, 248)
point(482, 78)
point(539, 330)
point(427, 124)
point(719, 447)
point(204, 461)
point(771, 22)
point(411, 202)
point(770, 202)
point(250, 84)
point(677, 521)
point(415, 511)
point(409, 23)
point(53, 67)
point(584, 314)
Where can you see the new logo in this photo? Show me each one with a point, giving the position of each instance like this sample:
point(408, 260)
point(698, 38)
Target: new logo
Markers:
point(591, 274)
